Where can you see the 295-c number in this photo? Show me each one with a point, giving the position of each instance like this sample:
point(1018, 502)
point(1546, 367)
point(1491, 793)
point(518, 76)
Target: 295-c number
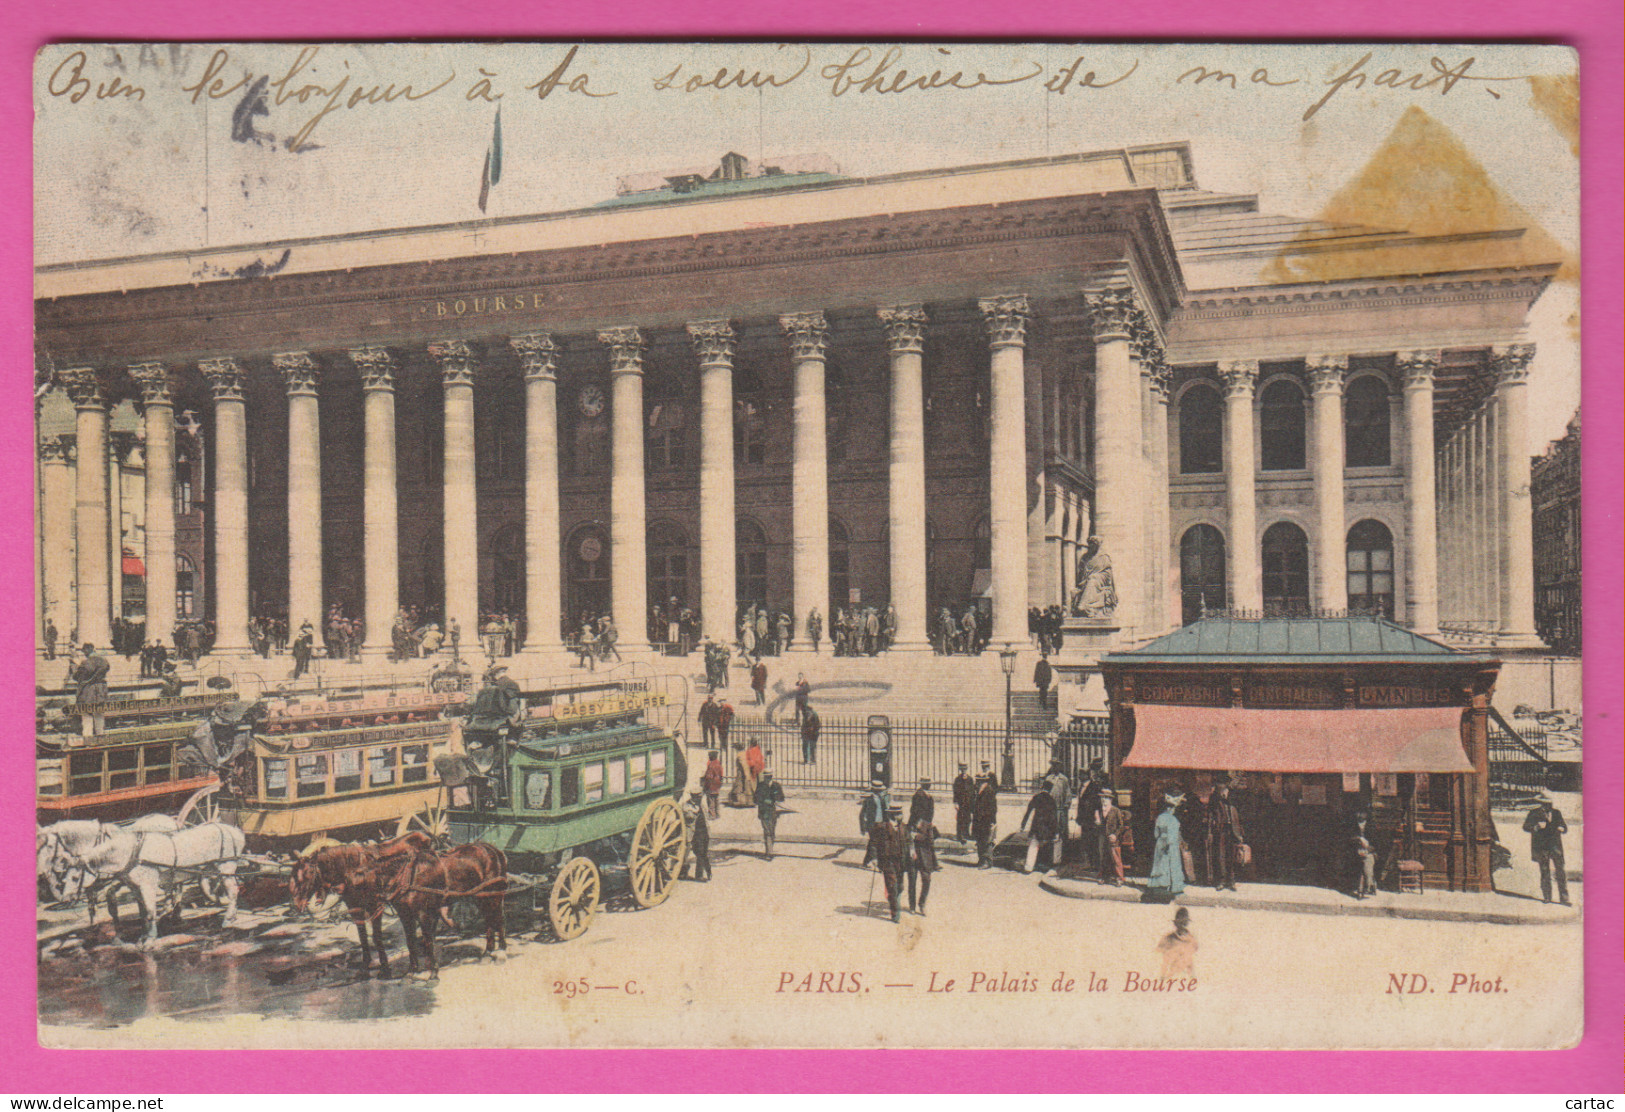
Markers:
point(581, 986)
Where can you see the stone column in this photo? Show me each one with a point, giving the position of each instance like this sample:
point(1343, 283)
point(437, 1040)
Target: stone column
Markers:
point(461, 522)
point(84, 387)
point(1119, 468)
point(808, 334)
point(538, 359)
point(57, 511)
point(301, 376)
point(230, 505)
point(380, 528)
point(158, 420)
point(628, 514)
point(905, 339)
point(1240, 468)
point(1416, 370)
point(714, 345)
point(1511, 364)
point(1006, 319)
point(1167, 615)
point(1326, 375)
point(119, 445)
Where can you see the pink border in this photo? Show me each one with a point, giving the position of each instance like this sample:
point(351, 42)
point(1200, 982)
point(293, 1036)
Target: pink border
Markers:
point(1593, 26)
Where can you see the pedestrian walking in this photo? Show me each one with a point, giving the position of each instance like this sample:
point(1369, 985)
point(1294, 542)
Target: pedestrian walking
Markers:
point(1365, 860)
point(920, 861)
point(1545, 827)
point(1043, 833)
point(803, 689)
point(608, 636)
point(725, 719)
point(743, 793)
point(964, 802)
point(707, 716)
point(985, 818)
point(1178, 947)
point(1112, 827)
point(758, 681)
point(1090, 806)
point(769, 794)
point(810, 727)
point(1224, 838)
point(302, 646)
point(711, 784)
point(699, 839)
point(872, 811)
point(1167, 878)
point(1042, 674)
point(921, 807)
point(815, 627)
point(888, 850)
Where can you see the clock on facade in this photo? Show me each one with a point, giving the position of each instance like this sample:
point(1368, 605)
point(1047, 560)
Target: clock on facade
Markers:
point(591, 400)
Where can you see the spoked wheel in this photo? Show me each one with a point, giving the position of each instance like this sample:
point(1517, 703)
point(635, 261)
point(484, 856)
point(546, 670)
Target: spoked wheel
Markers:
point(659, 846)
point(431, 820)
point(573, 898)
point(203, 806)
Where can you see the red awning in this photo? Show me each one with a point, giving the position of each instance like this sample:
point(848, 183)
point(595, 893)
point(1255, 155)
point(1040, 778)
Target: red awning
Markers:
point(1413, 739)
point(133, 565)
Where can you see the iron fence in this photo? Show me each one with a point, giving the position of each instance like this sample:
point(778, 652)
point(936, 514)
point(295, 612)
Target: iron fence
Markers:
point(1519, 763)
point(920, 748)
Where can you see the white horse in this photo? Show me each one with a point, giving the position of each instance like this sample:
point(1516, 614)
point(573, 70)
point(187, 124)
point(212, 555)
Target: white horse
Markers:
point(153, 860)
point(59, 849)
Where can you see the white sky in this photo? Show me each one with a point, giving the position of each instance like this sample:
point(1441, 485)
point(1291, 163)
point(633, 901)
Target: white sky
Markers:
point(120, 176)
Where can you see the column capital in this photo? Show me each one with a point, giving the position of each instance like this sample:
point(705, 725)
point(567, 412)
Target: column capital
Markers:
point(1111, 312)
point(377, 367)
point(1416, 368)
point(121, 444)
point(626, 346)
point(808, 334)
point(1511, 363)
point(905, 327)
point(1006, 319)
point(457, 361)
point(1326, 372)
point(57, 449)
point(84, 387)
point(538, 355)
point(225, 378)
point(1162, 382)
point(713, 341)
point(299, 372)
point(153, 379)
point(1240, 376)
point(1142, 339)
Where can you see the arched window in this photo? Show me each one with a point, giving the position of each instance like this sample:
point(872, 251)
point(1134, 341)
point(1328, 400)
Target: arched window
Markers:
point(1371, 569)
point(750, 419)
point(840, 581)
point(667, 423)
point(184, 496)
point(668, 565)
point(587, 556)
point(185, 588)
point(507, 551)
point(1286, 571)
point(1201, 572)
point(1201, 431)
point(750, 563)
point(983, 550)
point(1281, 422)
point(1365, 419)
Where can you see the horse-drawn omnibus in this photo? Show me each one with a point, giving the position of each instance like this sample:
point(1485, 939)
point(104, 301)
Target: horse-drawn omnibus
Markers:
point(132, 768)
point(587, 782)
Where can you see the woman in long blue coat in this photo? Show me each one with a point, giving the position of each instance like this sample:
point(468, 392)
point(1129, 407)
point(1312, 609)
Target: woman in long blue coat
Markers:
point(1167, 878)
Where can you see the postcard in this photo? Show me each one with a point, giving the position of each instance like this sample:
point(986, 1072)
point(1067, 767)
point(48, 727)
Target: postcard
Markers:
point(811, 544)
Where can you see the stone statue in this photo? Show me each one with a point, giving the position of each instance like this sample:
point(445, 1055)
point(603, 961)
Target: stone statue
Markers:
point(1096, 596)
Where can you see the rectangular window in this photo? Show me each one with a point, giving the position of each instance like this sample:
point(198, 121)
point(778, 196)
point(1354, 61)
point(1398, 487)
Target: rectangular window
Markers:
point(276, 778)
point(538, 790)
point(347, 770)
point(637, 772)
point(310, 775)
point(380, 767)
point(121, 770)
point(84, 773)
point(617, 777)
point(155, 761)
point(657, 768)
point(569, 787)
point(592, 782)
point(414, 764)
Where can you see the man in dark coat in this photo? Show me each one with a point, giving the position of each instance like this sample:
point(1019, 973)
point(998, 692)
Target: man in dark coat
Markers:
point(1545, 827)
point(811, 725)
point(964, 802)
point(985, 818)
point(91, 676)
point(888, 849)
point(1223, 836)
point(708, 719)
point(1042, 830)
point(1042, 674)
point(302, 646)
point(699, 839)
point(920, 860)
point(922, 808)
point(769, 794)
point(1089, 813)
point(758, 681)
point(1113, 822)
point(50, 639)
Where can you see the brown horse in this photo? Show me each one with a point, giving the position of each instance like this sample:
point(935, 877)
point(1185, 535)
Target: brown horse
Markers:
point(353, 872)
point(418, 886)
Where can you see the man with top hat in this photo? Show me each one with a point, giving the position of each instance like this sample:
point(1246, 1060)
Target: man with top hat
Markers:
point(921, 859)
point(1040, 825)
point(921, 807)
point(1089, 811)
point(888, 849)
point(985, 816)
point(964, 802)
point(1223, 831)
point(1545, 827)
point(811, 726)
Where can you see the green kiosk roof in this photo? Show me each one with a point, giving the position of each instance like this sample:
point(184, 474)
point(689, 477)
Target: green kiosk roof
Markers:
point(1294, 641)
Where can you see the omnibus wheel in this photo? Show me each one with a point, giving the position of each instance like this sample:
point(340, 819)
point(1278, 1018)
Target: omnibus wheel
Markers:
point(203, 806)
point(572, 898)
point(659, 846)
point(431, 820)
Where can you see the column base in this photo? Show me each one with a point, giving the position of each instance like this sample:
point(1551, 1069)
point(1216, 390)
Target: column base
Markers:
point(912, 647)
point(1519, 641)
point(546, 648)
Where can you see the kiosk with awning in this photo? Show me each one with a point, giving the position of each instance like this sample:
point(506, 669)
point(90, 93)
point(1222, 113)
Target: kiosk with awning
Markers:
point(1312, 721)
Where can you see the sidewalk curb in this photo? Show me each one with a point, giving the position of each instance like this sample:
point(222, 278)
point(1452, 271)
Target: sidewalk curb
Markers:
point(1193, 898)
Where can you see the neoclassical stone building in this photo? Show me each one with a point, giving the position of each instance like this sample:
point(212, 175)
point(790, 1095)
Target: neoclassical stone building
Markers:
point(923, 389)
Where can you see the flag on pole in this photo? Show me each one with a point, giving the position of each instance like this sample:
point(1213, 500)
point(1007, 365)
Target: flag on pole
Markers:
point(493, 161)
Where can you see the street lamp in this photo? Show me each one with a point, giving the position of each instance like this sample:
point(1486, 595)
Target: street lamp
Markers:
point(1007, 663)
